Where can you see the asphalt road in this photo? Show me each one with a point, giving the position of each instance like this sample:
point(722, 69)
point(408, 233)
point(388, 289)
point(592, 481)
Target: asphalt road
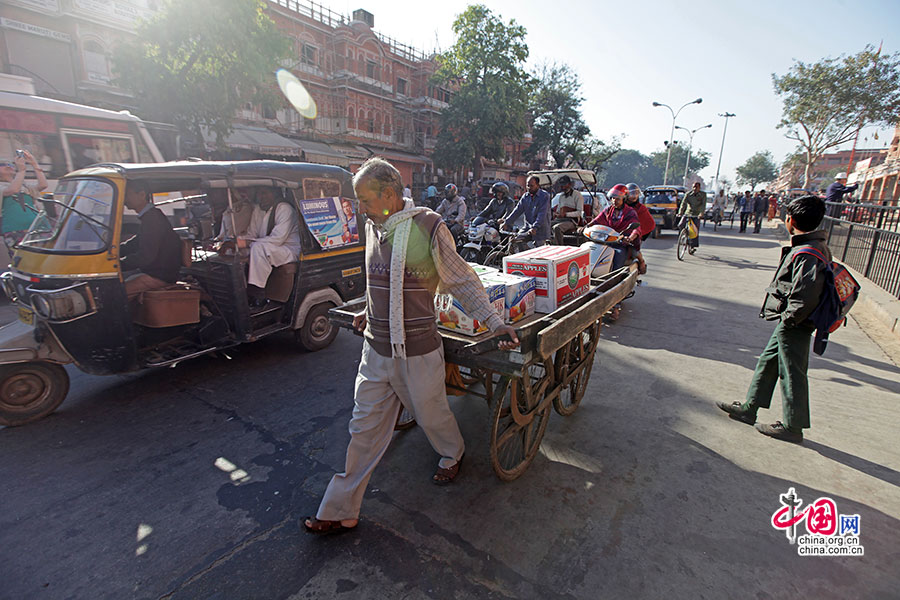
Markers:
point(191, 482)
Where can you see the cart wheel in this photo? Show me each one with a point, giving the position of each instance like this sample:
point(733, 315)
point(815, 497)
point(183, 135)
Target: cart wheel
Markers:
point(405, 420)
point(681, 247)
point(30, 391)
point(514, 446)
point(574, 363)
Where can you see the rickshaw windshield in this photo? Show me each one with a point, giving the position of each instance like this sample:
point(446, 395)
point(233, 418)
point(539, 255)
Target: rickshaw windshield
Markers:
point(77, 219)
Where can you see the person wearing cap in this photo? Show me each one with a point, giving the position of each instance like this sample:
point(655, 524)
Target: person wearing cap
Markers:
point(569, 208)
point(836, 191)
point(18, 197)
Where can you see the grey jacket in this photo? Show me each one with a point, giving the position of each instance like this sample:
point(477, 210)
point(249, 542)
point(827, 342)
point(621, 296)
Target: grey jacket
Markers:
point(797, 286)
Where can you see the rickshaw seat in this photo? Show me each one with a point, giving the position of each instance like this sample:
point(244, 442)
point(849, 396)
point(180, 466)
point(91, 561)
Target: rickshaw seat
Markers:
point(281, 282)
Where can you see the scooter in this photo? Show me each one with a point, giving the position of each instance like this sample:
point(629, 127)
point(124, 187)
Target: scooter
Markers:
point(600, 241)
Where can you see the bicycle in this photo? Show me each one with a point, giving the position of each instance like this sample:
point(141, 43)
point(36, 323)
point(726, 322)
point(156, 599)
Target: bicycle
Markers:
point(683, 246)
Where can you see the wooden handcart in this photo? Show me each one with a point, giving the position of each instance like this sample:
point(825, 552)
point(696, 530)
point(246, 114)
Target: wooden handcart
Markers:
point(552, 366)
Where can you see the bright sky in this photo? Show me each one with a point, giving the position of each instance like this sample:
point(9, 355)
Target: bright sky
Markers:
point(631, 53)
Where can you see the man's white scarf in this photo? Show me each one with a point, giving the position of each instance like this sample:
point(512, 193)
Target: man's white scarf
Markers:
point(400, 223)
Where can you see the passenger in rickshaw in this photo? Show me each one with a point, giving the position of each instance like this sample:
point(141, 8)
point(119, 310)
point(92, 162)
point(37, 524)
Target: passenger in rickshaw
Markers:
point(152, 259)
point(624, 220)
point(238, 217)
point(273, 238)
point(570, 207)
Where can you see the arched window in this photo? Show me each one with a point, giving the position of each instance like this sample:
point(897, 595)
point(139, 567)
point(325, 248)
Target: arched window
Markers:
point(351, 118)
point(96, 64)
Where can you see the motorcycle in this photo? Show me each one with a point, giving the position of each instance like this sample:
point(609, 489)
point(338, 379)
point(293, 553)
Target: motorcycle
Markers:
point(480, 238)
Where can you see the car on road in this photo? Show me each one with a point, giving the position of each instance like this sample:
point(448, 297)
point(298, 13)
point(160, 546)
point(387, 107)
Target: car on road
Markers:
point(662, 201)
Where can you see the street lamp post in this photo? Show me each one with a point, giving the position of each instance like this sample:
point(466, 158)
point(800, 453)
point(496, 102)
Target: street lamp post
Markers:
point(691, 133)
point(727, 116)
point(672, 134)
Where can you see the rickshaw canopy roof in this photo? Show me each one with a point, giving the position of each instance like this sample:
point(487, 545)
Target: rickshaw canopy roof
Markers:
point(213, 174)
point(551, 177)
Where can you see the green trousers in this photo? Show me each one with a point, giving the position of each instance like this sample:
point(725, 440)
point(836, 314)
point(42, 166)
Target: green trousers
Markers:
point(785, 358)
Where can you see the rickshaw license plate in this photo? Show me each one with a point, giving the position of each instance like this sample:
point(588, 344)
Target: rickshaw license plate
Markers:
point(26, 316)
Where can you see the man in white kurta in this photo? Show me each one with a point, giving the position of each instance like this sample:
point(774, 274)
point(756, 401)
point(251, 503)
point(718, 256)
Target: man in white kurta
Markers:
point(273, 242)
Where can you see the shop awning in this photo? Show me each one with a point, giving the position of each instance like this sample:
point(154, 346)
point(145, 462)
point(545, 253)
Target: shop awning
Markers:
point(322, 153)
point(256, 139)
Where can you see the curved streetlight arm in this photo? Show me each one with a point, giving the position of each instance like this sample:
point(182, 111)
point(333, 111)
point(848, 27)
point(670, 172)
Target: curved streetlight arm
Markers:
point(672, 134)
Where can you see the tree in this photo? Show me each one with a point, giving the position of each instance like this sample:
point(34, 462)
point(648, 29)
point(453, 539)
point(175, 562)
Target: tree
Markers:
point(628, 166)
point(828, 102)
point(559, 128)
point(486, 66)
point(196, 63)
point(699, 161)
point(759, 168)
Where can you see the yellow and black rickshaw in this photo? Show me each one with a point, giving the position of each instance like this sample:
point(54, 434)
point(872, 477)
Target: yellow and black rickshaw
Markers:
point(67, 282)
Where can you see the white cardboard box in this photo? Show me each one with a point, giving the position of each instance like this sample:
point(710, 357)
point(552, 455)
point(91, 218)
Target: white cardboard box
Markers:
point(451, 314)
point(519, 296)
point(561, 273)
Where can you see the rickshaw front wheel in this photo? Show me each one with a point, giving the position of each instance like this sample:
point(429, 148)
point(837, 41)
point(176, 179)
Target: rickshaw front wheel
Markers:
point(318, 331)
point(30, 391)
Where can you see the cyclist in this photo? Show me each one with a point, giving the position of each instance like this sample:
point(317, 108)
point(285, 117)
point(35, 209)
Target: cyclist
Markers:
point(692, 207)
point(623, 219)
point(718, 208)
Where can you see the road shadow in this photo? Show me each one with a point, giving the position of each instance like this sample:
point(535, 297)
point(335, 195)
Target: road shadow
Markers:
point(862, 465)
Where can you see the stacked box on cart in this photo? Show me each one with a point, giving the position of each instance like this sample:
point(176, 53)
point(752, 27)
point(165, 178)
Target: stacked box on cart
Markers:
point(519, 301)
point(561, 274)
point(451, 314)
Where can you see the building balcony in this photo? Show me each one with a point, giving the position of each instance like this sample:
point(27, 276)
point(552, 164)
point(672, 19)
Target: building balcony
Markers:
point(367, 82)
point(430, 102)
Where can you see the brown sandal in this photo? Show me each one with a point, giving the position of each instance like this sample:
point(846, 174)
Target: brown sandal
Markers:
point(317, 527)
point(446, 476)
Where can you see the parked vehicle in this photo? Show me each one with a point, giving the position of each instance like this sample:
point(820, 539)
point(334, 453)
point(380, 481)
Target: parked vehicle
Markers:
point(662, 202)
point(68, 285)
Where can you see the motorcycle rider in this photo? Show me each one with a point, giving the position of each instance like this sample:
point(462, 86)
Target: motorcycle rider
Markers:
point(648, 224)
point(499, 206)
point(624, 220)
point(453, 210)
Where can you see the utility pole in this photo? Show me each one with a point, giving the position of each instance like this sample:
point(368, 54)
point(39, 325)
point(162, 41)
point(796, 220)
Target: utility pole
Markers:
point(727, 116)
point(672, 134)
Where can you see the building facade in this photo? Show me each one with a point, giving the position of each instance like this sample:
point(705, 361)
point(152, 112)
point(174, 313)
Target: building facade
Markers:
point(880, 182)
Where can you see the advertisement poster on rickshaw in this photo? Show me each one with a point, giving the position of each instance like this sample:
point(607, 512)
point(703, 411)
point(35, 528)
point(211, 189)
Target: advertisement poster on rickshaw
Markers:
point(332, 221)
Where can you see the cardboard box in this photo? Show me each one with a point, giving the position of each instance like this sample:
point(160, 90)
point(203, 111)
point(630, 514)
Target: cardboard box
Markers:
point(482, 269)
point(168, 307)
point(561, 274)
point(519, 294)
point(451, 315)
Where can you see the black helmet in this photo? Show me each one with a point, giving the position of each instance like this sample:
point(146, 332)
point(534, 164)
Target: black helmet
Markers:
point(449, 190)
point(634, 193)
point(500, 188)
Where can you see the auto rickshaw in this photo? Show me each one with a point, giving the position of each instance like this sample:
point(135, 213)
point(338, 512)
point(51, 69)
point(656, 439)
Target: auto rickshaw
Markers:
point(67, 282)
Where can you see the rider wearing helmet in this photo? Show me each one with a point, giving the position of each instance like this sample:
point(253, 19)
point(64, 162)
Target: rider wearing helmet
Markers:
point(623, 219)
point(648, 225)
point(499, 206)
point(569, 206)
point(453, 210)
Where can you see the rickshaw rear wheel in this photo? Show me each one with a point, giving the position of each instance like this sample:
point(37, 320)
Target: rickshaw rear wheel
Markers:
point(30, 391)
point(317, 331)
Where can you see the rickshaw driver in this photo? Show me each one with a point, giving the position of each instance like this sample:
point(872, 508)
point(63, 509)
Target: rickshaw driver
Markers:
point(409, 254)
point(155, 252)
point(274, 239)
point(570, 208)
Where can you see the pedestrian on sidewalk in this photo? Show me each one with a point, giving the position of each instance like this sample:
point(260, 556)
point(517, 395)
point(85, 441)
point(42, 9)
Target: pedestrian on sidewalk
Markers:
point(790, 299)
point(760, 204)
point(746, 204)
point(409, 253)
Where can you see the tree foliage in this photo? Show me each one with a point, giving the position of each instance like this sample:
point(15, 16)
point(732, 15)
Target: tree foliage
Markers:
point(559, 128)
point(828, 102)
point(489, 106)
point(196, 63)
point(757, 169)
point(628, 166)
point(699, 161)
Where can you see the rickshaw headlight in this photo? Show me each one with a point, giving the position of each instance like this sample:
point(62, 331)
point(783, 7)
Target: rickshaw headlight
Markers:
point(63, 304)
point(8, 288)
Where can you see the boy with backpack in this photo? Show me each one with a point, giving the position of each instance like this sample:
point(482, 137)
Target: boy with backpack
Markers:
point(791, 299)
